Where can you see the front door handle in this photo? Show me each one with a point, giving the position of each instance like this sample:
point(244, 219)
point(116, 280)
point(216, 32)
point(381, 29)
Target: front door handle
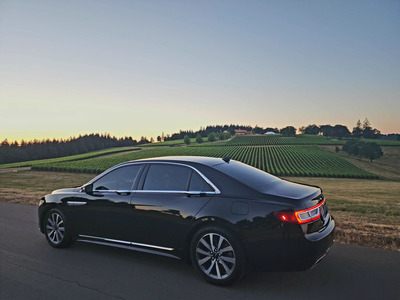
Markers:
point(76, 203)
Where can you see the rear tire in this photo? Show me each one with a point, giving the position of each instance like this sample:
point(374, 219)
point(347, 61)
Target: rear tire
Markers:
point(217, 255)
point(56, 229)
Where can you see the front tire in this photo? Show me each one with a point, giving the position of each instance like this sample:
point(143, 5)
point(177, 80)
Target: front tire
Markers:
point(217, 255)
point(56, 229)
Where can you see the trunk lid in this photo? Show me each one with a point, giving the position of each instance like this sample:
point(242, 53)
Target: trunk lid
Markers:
point(294, 191)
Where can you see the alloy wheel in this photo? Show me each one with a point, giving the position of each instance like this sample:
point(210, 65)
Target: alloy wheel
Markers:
point(55, 228)
point(215, 256)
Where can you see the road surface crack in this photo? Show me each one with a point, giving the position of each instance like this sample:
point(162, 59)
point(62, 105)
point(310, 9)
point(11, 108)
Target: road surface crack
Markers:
point(62, 279)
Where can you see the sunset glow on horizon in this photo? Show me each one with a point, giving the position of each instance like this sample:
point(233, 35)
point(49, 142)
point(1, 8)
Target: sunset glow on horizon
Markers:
point(140, 68)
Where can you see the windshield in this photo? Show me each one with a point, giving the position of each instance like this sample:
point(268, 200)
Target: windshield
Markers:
point(246, 174)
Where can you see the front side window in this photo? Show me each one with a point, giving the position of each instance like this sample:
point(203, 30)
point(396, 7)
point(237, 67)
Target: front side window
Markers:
point(118, 179)
point(165, 177)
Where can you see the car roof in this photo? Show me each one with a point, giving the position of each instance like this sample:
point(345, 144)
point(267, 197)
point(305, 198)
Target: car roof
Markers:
point(208, 161)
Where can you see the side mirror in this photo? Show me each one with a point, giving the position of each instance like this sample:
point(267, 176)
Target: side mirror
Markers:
point(89, 189)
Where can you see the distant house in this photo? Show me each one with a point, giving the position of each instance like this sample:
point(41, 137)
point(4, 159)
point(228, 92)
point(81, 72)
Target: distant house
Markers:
point(270, 133)
point(242, 132)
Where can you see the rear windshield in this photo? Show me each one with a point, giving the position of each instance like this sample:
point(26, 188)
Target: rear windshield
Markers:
point(246, 174)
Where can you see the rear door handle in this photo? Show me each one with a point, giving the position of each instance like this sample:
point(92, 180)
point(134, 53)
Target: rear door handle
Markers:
point(76, 203)
point(123, 192)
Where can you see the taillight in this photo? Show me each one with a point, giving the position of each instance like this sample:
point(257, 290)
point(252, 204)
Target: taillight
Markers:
point(301, 216)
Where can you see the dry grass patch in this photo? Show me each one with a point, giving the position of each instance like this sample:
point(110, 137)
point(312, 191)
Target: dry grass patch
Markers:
point(29, 186)
point(367, 212)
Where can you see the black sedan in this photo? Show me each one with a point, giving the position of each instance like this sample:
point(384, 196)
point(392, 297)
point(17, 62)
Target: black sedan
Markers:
point(219, 214)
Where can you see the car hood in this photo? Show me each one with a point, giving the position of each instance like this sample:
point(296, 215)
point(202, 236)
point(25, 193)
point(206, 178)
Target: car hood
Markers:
point(291, 190)
point(65, 191)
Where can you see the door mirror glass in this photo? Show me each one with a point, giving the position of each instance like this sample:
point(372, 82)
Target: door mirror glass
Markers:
point(89, 189)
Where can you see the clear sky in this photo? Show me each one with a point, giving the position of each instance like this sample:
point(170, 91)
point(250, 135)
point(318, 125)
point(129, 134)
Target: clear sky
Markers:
point(139, 68)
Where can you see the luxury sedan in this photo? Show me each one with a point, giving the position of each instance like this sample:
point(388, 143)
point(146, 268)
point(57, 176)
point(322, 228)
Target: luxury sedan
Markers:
point(218, 214)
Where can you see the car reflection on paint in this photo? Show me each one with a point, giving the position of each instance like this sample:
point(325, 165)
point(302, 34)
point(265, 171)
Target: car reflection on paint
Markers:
point(218, 214)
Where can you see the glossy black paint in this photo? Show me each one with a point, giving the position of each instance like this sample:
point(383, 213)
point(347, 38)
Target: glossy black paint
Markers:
point(166, 221)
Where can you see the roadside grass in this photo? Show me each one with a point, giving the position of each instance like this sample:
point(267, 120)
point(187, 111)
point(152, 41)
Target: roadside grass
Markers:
point(31, 163)
point(367, 212)
point(29, 186)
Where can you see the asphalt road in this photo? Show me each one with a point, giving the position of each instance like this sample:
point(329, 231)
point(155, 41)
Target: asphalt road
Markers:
point(31, 269)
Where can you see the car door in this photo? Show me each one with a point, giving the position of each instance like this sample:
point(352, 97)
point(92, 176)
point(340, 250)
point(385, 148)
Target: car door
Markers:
point(105, 212)
point(167, 199)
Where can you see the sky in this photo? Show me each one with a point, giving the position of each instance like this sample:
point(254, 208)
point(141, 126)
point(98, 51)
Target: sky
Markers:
point(140, 68)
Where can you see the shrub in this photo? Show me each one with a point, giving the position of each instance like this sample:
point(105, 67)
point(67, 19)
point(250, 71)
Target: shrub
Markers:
point(211, 137)
point(199, 139)
point(186, 140)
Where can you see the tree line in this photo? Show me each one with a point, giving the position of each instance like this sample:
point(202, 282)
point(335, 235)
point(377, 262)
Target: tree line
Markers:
point(364, 130)
point(340, 131)
point(33, 150)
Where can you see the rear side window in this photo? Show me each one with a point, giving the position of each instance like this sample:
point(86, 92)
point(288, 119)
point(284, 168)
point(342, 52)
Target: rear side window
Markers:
point(165, 177)
point(246, 174)
point(118, 179)
point(197, 184)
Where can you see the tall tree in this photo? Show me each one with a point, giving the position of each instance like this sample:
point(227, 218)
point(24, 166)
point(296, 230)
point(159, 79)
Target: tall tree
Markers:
point(357, 131)
point(340, 131)
point(288, 131)
point(368, 132)
point(327, 130)
point(312, 129)
point(371, 150)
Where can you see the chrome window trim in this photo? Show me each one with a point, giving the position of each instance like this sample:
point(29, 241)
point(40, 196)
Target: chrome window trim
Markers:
point(113, 191)
point(216, 190)
point(126, 242)
point(153, 191)
point(175, 192)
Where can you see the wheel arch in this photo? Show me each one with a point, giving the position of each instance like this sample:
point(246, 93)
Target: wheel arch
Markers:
point(210, 221)
point(42, 214)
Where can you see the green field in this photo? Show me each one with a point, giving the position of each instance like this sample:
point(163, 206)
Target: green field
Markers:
point(285, 160)
point(66, 158)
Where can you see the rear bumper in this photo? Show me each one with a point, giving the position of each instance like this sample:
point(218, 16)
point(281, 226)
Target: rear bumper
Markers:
point(314, 251)
point(294, 252)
